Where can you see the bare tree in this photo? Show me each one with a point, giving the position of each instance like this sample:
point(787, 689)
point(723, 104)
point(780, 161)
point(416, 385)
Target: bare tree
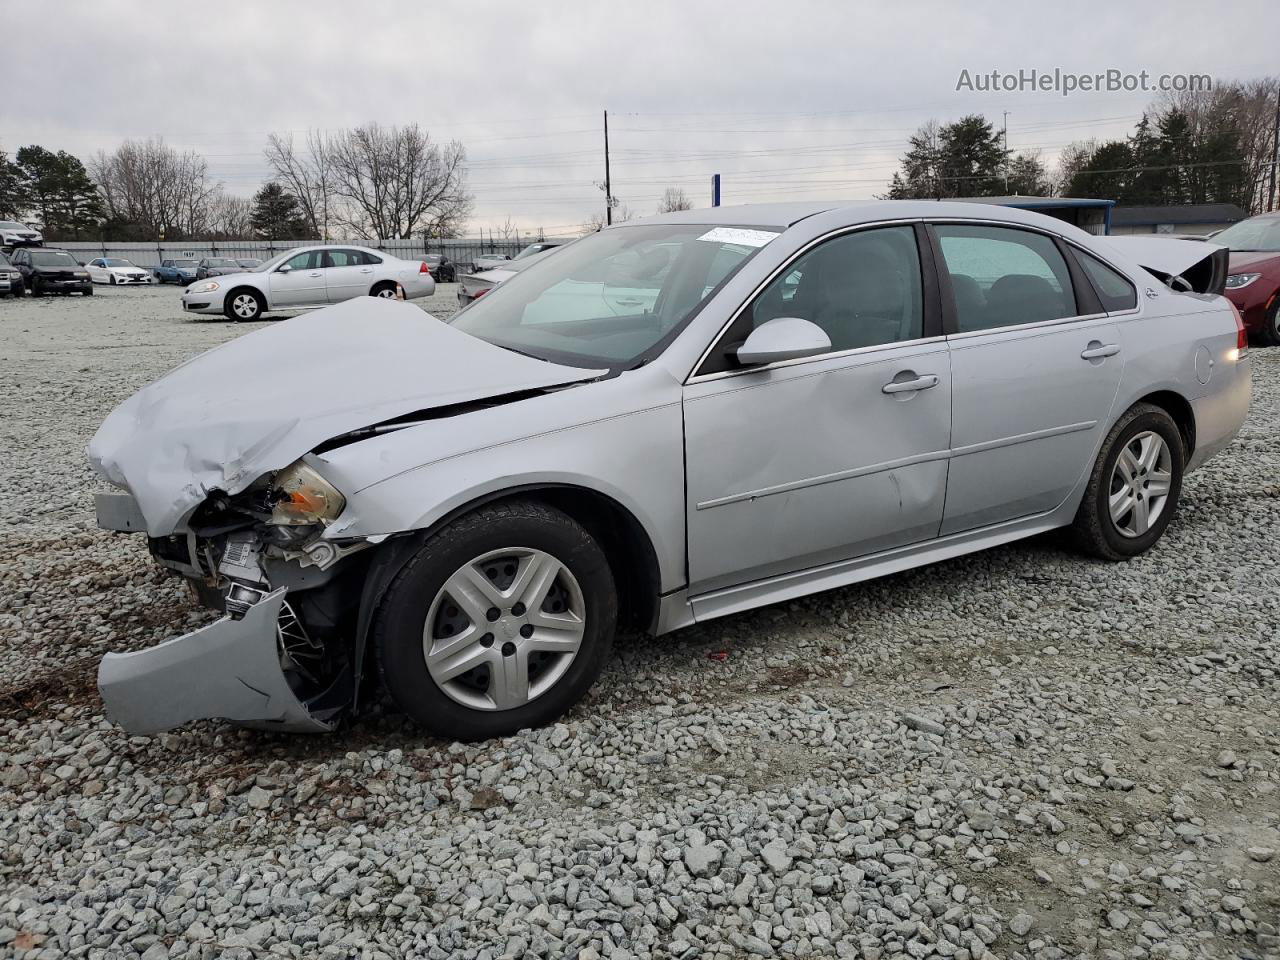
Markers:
point(394, 181)
point(307, 176)
point(148, 187)
point(509, 232)
point(674, 199)
point(230, 218)
point(621, 214)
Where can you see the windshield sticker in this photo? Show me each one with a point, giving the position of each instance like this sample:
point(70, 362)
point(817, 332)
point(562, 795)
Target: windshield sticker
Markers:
point(748, 238)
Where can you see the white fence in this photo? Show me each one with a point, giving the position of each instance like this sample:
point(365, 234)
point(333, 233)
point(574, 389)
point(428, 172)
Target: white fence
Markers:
point(150, 254)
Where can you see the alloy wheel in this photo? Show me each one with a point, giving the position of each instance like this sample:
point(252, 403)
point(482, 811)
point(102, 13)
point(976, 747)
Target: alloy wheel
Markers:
point(1140, 484)
point(386, 293)
point(504, 628)
point(245, 306)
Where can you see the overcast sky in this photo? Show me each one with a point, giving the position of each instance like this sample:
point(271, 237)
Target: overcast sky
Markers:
point(788, 100)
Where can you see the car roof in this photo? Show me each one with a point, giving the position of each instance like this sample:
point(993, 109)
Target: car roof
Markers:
point(783, 215)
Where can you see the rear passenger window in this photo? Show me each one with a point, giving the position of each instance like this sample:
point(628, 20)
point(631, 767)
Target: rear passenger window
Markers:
point(1003, 277)
point(1114, 289)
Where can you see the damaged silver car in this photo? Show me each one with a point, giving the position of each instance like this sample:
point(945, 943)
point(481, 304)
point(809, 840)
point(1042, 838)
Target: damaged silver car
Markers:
point(665, 422)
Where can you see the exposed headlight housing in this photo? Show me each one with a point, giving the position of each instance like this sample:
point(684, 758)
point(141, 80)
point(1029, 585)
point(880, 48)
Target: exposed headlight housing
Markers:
point(208, 287)
point(300, 495)
point(1238, 280)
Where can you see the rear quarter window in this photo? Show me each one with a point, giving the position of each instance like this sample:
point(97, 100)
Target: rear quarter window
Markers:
point(1114, 289)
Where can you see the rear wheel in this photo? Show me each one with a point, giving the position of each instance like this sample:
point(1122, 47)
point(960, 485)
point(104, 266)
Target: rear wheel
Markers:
point(385, 290)
point(501, 621)
point(244, 305)
point(1134, 487)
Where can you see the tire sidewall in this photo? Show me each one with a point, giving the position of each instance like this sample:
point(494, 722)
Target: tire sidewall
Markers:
point(231, 310)
point(1153, 421)
point(399, 623)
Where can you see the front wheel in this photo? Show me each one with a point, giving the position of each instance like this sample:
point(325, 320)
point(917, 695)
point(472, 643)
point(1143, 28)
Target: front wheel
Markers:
point(244, 305)
point(501, 621)
point(1134, 487)
point(1271, 326)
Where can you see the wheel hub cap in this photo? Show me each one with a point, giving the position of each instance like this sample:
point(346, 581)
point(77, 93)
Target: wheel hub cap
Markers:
point(1140, 484)
point(504, 628)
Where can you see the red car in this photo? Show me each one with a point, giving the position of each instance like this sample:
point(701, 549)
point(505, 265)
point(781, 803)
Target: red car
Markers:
point(1253, 281)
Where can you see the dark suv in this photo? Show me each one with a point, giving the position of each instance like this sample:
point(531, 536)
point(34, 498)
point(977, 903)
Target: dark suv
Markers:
point(50, 271)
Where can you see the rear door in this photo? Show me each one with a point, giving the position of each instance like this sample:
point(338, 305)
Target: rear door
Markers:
point(1035, 368)
point(348, 274)
point(302, 284)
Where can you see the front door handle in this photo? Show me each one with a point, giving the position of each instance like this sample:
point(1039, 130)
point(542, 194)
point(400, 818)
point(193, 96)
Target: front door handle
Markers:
point(1096, 350)
point(366, 269)
point(910, 386)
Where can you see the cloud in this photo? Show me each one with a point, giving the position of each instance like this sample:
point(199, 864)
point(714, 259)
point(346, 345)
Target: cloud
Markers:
point(788, 101)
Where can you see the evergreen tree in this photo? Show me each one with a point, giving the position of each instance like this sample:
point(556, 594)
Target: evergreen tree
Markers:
point(60, 191)
point(277, 215)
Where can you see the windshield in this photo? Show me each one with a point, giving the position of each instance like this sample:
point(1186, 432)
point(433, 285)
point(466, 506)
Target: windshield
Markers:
point(50, 258)
point(613, 297)
point(275, 261)
point(117, 263)
point(4, 261)
point(1259, 233)
point(184, 263)
point(11, 225)
point(221, 262)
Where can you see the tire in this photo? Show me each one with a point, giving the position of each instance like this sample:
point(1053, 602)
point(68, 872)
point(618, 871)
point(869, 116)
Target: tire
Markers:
point(111, 279)
point(243, 305)
point(37, 288)
point(516, 538)
point(1121, 535)
point(385, 290)
point(87, 291)
point(1270, 335)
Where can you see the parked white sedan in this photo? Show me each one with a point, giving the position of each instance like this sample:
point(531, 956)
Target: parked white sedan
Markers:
point(115, 270)
point(308, 277)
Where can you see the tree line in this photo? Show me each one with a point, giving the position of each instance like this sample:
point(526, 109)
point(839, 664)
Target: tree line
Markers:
point(1206, 146)
point(367, 182)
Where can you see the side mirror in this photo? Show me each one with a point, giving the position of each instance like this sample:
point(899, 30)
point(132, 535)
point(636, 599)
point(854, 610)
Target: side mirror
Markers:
point(285, 269)
point(783, 338)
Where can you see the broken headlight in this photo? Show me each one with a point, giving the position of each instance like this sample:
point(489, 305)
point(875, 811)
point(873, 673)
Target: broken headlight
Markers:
point(300, 495)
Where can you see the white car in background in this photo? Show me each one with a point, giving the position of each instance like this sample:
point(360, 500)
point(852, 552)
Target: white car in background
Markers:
point(308, 277)
point(14, 234)
point(115, 270)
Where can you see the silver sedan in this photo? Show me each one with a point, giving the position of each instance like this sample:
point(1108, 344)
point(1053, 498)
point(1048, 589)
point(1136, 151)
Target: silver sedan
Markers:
point(663, 423)
point(307, 278)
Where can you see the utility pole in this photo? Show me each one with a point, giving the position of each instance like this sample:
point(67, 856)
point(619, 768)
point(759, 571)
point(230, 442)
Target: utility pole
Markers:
point(1006, 152)
point(608, 186)
point(1275, 154)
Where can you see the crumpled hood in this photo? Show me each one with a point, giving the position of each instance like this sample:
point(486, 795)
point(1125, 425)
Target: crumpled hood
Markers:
point(258, 403)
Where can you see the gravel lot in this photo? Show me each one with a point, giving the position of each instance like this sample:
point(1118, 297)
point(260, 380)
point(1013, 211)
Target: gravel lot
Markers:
point(1017, 754)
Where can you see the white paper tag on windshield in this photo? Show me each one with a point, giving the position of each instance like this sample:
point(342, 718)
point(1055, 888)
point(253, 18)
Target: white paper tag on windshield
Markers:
point(746, 238)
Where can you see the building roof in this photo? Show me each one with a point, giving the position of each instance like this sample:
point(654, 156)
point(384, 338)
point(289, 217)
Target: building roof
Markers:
point(1176, 213)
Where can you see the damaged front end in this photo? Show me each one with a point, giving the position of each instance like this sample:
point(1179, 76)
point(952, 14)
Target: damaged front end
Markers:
point(281, 656)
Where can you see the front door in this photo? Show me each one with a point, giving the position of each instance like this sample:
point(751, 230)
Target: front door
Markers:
point(1034, 375)
point(302, 284)
point(811, 461)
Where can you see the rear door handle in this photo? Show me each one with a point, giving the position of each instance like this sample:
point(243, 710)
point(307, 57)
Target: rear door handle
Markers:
point(316, 274)
point(909, 386)
point(366, 269)
point(1096, 350)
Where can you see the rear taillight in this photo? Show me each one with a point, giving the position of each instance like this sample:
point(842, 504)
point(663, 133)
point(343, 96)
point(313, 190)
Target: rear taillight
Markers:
point(480, 293)
point(1242, 335)
point(424, 269)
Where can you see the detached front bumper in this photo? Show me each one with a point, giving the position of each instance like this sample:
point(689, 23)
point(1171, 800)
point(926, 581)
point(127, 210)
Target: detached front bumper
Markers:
point(229, 670)
point(232, 669)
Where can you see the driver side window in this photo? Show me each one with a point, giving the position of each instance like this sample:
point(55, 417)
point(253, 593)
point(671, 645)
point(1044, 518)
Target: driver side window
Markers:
point(309, 260)
point(863, 289)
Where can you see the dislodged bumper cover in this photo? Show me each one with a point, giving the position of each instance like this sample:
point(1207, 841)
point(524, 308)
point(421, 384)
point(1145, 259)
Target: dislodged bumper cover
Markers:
point(229, 669)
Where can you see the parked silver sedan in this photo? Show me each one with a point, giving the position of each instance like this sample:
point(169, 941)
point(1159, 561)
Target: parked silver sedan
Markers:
point(306, 278)
point(663, 423)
